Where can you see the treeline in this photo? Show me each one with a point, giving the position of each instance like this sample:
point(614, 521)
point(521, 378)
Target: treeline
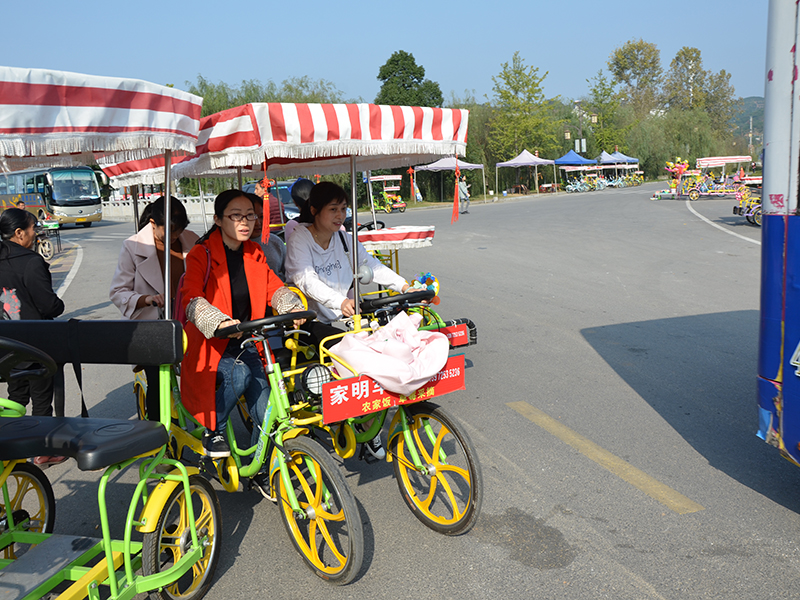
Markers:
point(635, 107)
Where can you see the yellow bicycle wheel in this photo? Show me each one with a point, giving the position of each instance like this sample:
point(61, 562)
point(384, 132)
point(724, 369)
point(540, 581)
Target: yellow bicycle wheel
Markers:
point(162, 548)
point(32, 505)
point(446, 497)
point(329, 537)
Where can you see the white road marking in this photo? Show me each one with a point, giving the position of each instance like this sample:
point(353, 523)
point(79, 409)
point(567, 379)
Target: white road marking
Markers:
point(62, 289)
point(720, 227)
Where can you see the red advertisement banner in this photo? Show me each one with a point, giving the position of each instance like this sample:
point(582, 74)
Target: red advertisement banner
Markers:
point(457, 335)
point(358, 396)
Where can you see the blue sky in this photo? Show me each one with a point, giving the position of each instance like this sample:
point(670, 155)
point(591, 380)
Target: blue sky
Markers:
point(461, 45)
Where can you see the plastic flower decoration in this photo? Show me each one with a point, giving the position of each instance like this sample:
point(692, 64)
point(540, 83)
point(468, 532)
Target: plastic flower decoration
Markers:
point(426, 281)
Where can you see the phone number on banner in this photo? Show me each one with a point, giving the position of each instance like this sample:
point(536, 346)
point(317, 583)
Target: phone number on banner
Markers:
point(358, 396)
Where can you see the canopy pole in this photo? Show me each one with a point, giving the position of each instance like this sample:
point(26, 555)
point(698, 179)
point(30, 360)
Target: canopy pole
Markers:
point(536, 177)
point(371, 200)
point(496, 191)
point(239, 176)
point(483, 176)
point(202, 204)
point(354, 257)
point(167, 233)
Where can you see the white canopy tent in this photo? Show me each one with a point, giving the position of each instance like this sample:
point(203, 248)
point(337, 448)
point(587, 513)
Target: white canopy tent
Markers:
point(449, 163)
point(526, 159)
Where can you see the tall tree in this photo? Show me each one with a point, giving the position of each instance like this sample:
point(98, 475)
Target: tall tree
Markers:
point(722, 104)
point(520, 111)
point(604, 101)
point(686, 82)
point(219, 96)
point(403, 83)
point(637, 66)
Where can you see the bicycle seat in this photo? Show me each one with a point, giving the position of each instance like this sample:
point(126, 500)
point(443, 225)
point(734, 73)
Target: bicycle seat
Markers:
point(93, 443)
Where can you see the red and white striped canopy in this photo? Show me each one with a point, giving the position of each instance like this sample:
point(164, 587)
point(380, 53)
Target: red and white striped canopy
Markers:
point(56, 117)
point(295, 139)
point(151, 171)
point(718, 161)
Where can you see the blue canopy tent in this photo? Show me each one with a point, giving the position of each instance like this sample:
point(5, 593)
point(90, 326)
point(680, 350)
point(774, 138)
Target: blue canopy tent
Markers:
point(609, 159)
point(525, 159)
point(620, 157)
point(572, 158)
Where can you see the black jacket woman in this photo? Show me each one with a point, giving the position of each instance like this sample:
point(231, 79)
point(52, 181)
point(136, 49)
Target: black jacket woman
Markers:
point(26, 292)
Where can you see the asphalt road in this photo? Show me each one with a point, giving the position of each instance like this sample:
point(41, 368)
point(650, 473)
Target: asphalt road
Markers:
point(611, 400)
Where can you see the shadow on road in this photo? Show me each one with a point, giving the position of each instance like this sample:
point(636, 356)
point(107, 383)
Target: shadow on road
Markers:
point(699, 374)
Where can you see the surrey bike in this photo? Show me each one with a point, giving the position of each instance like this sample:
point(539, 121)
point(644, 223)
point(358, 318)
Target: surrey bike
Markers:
point(316, 505)
point(434, 461)
point(178, 512)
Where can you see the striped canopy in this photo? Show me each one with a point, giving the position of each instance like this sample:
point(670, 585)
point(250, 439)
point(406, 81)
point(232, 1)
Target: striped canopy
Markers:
point(298, 139)
point(718, 161)
point(52, 118)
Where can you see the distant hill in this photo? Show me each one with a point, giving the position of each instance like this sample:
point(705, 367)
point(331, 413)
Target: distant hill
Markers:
point(752, 106)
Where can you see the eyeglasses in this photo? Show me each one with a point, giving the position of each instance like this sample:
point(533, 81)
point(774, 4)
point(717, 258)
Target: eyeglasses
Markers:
point(237, 218)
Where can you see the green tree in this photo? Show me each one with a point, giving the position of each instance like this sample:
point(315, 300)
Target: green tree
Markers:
point(220, 96)
point(637, 66)
point(722, 104)
point(605, 101)
point(685, 85)
point(521, 117)
point(403, 83)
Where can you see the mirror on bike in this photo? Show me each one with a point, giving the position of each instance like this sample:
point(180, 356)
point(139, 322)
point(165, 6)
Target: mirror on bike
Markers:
point(365, 274)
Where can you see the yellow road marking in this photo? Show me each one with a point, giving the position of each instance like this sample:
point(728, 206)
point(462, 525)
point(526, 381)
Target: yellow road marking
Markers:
point(652, 487)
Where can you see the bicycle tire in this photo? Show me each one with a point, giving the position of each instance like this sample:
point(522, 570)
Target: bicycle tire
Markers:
point(402, 209)
point(40, 507)
point(159, 551)
point(757, 216)
point(388, 209)
point(140, 392)
point(337, 549)
point(45, 249)
point(453, 509)
point(694, 195)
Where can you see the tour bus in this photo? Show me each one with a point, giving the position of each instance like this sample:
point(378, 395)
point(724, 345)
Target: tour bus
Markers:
point(66, 195)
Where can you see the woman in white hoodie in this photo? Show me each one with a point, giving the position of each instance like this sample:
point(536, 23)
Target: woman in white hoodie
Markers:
point(318, 262)
point(318, 257)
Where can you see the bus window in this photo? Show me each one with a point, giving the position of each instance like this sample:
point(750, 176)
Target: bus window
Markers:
point(41, 181)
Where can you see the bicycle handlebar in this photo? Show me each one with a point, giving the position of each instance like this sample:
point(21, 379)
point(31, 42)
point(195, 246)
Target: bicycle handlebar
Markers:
point(265, 322)
point(13, 353)
point(406, 298)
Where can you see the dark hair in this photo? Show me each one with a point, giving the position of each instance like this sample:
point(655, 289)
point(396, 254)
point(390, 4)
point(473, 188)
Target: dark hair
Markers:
point(258, 201)
point(300, 191)
point(321, 195)
point(220, 204)
point(12, 219)
point(155, 211)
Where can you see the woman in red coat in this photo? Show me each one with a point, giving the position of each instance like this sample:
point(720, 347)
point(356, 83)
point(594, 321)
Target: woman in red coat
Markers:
point(240, 287)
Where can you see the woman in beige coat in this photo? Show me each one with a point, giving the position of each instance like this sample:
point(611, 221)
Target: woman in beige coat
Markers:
point(137, 288)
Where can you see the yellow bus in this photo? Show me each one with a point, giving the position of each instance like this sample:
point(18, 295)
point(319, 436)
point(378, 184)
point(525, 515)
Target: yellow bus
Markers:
point(66, 195)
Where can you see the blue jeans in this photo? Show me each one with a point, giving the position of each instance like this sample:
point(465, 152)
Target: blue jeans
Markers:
point(240, 374)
